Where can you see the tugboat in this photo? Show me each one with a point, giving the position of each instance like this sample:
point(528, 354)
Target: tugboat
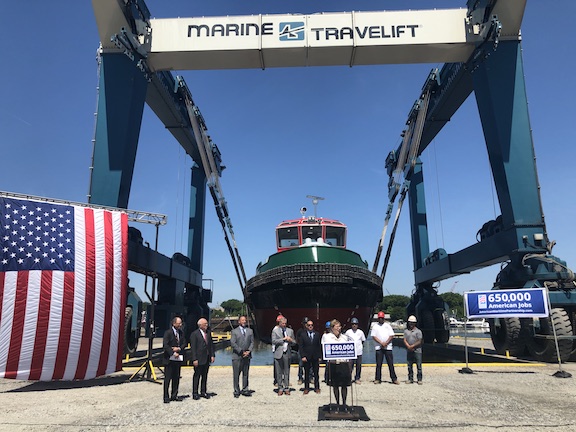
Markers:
point(312, 275)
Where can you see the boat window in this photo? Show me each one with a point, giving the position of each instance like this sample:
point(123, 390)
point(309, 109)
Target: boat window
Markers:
point(313, 232)
point(335, 236)
point(287, 237)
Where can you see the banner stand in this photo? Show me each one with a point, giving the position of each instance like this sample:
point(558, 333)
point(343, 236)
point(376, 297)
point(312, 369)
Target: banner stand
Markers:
point(466, 370)
point(560, 373)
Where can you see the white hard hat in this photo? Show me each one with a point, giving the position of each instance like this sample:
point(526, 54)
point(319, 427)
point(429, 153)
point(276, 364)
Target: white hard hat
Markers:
point(412, 318)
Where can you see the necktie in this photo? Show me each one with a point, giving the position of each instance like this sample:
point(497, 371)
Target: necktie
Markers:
point(243, 331)
point(205, 340)
point(283, 332)
point(311, 335)
point(177, 336)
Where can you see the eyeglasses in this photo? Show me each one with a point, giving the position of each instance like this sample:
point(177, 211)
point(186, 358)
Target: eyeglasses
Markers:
point(354, 323)
point(309, 325)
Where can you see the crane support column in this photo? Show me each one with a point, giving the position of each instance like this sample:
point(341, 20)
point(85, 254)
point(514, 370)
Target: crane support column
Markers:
point(120, 106)
point(501, 97)
point(418, 221)
point(196, 219)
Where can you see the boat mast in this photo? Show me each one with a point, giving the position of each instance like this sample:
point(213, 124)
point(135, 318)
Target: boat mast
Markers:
point(315, 200)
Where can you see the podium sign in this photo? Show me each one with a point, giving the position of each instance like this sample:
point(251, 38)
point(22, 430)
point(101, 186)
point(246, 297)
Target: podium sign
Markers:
point(523, 303)
point(339, 351)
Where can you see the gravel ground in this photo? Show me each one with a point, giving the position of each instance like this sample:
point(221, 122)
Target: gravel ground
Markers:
point(503, 397)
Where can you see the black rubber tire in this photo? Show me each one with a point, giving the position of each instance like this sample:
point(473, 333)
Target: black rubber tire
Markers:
point(509, 334)
point(544, 350)
point(130, 339)
point(573, 322)
point(428, 328)
point(441, 323)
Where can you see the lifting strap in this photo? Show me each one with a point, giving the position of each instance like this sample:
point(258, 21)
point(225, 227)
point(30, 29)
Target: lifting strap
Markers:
point(205, 148)
point(407, 157)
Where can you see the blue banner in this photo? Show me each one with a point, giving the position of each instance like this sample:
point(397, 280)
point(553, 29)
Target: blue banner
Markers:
point(339, 351)
point(521, 303)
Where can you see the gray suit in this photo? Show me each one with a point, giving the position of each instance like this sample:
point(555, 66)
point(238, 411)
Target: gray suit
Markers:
point(281, 357)
point(240, 364)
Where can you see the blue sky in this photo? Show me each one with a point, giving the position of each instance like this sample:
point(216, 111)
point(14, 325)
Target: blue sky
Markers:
point(285, 134)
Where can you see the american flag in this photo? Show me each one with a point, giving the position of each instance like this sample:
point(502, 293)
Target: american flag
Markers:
point(63, 275)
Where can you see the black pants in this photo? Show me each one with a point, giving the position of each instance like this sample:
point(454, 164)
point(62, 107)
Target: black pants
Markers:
point(200, 377)
point(312, 365)
point(380, 354)
point(171, 375)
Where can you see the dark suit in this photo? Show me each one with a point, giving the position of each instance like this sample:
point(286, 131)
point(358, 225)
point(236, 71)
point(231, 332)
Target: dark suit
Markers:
point(202, 351)
point(241, 343)
point(311, 350)
point(172, 368)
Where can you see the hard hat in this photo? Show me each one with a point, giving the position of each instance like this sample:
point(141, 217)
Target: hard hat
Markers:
point(381, 314)
point(412, 318)
point(327, 324)
point(279, 317)
point(354, 320)
point(305, 320)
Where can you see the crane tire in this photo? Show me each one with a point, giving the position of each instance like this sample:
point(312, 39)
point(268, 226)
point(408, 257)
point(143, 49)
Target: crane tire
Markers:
point(440, 320)
point(544, 350)
point(508, 334)
point(428, 328)
point(130, 339)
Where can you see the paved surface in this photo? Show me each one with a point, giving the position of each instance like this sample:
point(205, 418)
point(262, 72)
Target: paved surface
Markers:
point(496, 397)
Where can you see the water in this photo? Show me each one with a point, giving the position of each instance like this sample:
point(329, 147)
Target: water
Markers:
point(262, 354)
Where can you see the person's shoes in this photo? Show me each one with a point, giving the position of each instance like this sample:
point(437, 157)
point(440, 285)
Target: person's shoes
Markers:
point(409, 382)
point(166, 400)
point(300, 382)
point(396, 382)
point(358, 381)
point(317, 391)
point(246, 393)
point(236, 395)
point(205, 395)
point(419, 382)
point(196, 397)
point(306, 391)
point(280, 392)
point(177, 399)
point(287, 392)
point(377, 381)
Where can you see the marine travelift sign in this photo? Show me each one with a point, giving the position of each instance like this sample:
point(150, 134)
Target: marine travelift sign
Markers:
point(346, 38)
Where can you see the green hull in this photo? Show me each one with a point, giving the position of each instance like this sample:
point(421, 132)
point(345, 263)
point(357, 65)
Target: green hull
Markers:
point(312, 254)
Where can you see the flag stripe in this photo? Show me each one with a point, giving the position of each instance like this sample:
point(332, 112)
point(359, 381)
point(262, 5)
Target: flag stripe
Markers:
point(89, 279)
point(29, 329)
point(18, 323)
point(65, 326)
point(109, 295)
point(8, 298)
point(43, 321)
point(122, 275)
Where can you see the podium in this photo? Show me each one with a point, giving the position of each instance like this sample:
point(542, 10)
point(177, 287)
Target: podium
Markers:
point(340, 352)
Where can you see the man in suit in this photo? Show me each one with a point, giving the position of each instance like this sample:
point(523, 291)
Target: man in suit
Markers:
point(242, 343)
point(174, 344)
point(282, 341)
point(201, 354)
point(311, 352)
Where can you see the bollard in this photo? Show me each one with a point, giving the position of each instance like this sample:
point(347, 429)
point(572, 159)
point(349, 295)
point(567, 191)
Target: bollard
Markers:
point(482, 351)
point(507, 354)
